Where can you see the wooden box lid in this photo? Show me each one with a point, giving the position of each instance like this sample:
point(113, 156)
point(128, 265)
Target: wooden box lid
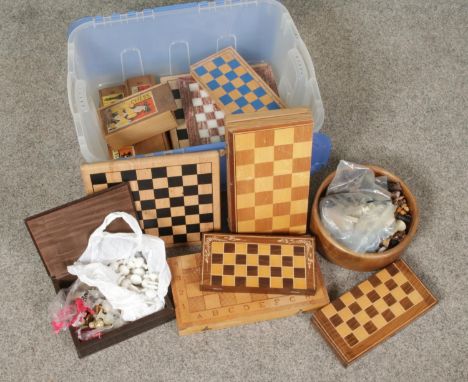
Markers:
point(61, 234)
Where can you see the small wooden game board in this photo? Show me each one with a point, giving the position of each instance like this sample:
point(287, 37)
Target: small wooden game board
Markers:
point(203, 118)
point(179, 135)
point(269, 156)
point(258, 264)
point(197, 310)
point(373, 311)
point(176, 197)
point(233, 84)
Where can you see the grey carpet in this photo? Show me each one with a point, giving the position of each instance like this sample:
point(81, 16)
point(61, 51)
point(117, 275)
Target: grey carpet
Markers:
point(392, 75)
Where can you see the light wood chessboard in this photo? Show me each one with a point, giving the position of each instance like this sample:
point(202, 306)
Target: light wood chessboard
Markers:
point(269, 156)
point(197, 310)
point(373, 311)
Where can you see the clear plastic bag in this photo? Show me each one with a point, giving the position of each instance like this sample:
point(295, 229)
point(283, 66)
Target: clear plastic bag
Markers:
point(85, 309)
point(357, 210)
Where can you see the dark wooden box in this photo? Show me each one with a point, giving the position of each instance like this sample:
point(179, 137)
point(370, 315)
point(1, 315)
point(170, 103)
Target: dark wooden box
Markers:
point(61, 235)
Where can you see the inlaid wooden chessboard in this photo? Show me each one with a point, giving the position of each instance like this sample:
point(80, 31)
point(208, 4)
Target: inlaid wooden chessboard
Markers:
point(269, 156)
point(258, 264)
point(197, 310)
point(204, 119)
point(233, 84)
point(176, 197)
point(373, 311)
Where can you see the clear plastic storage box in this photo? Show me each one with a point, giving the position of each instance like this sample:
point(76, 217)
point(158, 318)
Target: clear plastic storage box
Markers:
point(104, 51)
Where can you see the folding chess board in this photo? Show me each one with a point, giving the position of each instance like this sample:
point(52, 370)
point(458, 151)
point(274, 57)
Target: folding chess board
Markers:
point(197, 310)
point(203, 118)
point(179, 135)
point(233, 84)
point(258, 264)
point(176, 196)
point(373, 311)
point(269, 156)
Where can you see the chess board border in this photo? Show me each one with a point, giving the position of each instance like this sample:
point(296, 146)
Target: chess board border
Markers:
point(275, 306)
point(231, 165)
point(160, 161)
point(248, 68)
point(309, 254)
point(349, 354)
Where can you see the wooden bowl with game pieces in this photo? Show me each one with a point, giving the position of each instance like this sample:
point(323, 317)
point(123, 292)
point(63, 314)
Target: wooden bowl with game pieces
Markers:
point(364, 262)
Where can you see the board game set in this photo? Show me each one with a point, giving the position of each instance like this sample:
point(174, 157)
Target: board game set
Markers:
point(264, 265)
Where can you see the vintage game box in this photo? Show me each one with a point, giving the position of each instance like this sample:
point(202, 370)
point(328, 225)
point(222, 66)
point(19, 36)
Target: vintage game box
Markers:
point(140, 83)
point(373, 310)
point(258, 264)
point(160, 142)
point(233, 84)
point(198, 310)
point(177, 197)
point(269, 159)
point(138, 117)
point(111, 95)
point(61, 235)
point(123, 152)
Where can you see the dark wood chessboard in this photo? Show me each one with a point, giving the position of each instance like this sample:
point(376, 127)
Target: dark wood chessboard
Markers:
point(373, 311)
point(258, 264)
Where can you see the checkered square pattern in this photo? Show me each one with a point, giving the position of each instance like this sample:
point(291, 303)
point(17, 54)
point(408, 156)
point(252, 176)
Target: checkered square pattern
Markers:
point(258, 264)
point(179, 135)
point(173, 201)
point(233, 84)
point(371, 305)
point(271, 178)
point(373, 310)
point(204, 120)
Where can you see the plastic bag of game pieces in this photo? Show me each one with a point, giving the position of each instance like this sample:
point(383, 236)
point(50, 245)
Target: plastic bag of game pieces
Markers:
point(85, 310)
point(129, 269)
point(357, 210)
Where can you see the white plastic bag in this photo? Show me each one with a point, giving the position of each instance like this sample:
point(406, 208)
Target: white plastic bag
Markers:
point(104, 248)
point(357, 209)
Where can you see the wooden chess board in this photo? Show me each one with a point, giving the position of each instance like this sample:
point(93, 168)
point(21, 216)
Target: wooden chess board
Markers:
point(258, 264)
point(204, 119)
point(233, 84)
point(198, 310)
point(176, 197)
point(179, 135)
point(373, 311)
point(269, 156)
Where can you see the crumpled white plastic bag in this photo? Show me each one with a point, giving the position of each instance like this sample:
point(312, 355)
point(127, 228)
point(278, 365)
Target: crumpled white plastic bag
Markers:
point(104, 248)
point(357, 209)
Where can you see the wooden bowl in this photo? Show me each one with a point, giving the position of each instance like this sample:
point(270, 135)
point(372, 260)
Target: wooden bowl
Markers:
point(364, 262)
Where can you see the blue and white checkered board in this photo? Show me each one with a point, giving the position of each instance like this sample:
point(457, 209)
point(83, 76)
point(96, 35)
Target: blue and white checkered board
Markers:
point(233, 84)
